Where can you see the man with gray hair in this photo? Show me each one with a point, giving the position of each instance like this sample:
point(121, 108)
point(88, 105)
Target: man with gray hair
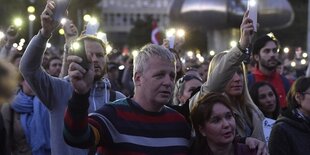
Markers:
point(138, 125)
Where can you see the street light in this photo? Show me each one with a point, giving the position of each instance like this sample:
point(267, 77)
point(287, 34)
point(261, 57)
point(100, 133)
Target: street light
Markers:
point(2, 35)
point(286, 50)
point(31, 17)
point(31, 9)
point(212, 53)
point(18, 22)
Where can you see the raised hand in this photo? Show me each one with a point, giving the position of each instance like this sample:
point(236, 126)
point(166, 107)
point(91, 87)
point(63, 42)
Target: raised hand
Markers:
point(81, 79)
point(246, 30)
point(47, 22)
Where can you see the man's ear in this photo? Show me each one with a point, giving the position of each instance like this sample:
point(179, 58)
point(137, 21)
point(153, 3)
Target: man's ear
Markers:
point(137, 78)
point(256, 57)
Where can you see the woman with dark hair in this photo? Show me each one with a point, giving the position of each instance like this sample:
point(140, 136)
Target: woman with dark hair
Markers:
point(291, 132)
point(265, 97)
point(215, 127)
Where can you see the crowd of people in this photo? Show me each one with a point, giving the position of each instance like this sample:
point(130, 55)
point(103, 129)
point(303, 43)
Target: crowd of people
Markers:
point(82, 104)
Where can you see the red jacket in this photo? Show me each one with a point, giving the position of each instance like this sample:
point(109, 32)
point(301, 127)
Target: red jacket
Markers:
point(276, 81)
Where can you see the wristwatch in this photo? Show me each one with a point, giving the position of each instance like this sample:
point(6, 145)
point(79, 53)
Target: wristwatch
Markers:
point(246, 50)
point(247, 53)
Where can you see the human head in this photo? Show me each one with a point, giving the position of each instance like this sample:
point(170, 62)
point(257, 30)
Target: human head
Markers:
point(95, 52)
point(236, 86)
point(184, 88)
point(298, 97)
point(212, 118)
point(203, 70)
point(113, 70)
point(8, 80)
point(265, 97)
point(70, 29)
point(54, 64)
point(154, 75)
point(265, 52)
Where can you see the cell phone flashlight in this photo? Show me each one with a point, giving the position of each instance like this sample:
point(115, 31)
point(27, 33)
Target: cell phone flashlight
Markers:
point(252, 7)
point(78, 48)
point(60, 10)
point(92, 27)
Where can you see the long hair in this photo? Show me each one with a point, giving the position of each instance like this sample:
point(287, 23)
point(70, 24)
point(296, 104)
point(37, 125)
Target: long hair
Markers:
point(254, 94)
point(243, 103)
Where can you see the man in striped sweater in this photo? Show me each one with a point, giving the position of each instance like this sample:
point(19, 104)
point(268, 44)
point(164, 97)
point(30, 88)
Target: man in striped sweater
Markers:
point(138, 125)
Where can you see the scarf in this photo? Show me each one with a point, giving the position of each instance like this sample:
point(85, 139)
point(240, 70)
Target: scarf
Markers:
point(34, 119)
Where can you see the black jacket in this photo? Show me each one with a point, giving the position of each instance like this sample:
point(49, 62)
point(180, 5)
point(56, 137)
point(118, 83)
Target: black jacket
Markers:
point(290, 135)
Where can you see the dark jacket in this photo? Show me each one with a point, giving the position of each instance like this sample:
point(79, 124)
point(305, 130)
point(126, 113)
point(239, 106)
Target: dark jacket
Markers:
point(290, 135)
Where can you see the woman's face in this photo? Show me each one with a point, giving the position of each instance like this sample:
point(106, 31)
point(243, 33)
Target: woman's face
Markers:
point(266, 99)
point(235, 85)
point(220, 128)
point(189, 87)
point(305, 103)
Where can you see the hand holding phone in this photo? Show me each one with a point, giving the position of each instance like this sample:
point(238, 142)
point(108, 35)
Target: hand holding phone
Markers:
point(78, 48)
point(60, 10)
point(252, 7)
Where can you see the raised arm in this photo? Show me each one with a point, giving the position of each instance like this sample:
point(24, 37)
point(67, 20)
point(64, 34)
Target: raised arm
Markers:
point(77, 131)
point(45, 86)
point(229, 63)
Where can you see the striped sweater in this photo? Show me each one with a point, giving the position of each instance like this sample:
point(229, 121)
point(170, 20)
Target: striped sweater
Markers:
point(125, 128)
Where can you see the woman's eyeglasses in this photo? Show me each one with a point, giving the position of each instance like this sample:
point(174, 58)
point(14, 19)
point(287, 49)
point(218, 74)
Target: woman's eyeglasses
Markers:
point(189, 77)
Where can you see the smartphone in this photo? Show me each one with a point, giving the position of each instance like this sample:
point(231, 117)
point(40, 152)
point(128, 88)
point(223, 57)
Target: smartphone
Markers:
point(252, 7)
point(78, 48)
point(92, 28)
point(171, 40)
point(60, 10)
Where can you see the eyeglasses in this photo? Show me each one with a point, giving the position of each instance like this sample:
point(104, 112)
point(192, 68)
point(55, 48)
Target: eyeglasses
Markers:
point(189, 77)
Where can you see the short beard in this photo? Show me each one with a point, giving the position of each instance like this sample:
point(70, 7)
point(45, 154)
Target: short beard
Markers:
point(269, 68)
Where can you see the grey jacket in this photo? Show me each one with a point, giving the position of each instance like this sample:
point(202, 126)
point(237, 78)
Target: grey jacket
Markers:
point(56, 92)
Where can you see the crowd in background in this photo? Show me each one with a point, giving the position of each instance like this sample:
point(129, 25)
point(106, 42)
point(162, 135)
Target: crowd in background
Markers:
point(55, 103)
